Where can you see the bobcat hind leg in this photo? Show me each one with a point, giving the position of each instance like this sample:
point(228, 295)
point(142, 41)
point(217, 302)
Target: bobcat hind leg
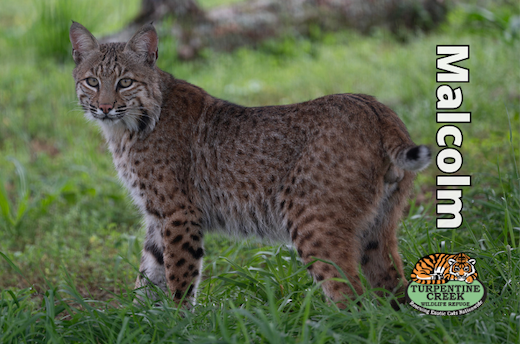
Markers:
point(380, 259)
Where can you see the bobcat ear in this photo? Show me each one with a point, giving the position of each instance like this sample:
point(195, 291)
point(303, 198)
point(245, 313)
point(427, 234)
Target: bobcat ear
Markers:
point(83, 42)
point(144, 43)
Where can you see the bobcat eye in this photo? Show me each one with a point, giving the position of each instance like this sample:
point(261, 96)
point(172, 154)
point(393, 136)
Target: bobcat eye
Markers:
point(92, 82)
point(124, 83)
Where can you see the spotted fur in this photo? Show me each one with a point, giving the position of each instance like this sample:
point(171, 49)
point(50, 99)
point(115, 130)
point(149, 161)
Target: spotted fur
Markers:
point(439, 268)
point(331, 175)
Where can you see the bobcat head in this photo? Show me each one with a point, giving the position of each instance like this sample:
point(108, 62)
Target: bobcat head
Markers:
point(117, 84)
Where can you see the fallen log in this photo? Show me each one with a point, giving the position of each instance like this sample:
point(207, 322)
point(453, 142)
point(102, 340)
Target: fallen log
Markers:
point(248, 23)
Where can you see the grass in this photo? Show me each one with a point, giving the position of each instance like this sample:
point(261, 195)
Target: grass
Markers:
point(70, 238)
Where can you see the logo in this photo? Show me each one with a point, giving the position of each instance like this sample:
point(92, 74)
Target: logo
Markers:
point(446, 284)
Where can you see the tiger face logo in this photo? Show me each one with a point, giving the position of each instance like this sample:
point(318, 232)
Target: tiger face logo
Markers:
point(461, 270)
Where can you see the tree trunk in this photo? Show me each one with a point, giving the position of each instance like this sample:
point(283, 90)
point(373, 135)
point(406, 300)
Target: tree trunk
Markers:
point(250, 22)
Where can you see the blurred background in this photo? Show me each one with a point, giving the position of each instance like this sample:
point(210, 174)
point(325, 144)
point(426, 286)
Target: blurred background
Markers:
point(64, 214)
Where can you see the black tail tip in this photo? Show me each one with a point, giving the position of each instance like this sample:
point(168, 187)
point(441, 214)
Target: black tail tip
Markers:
point(418, 152)
point(418, 157)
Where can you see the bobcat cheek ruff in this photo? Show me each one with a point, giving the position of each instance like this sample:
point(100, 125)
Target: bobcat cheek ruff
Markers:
point(331, 175)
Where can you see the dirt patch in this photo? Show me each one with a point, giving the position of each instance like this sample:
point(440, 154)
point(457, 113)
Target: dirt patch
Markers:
point(40, 146)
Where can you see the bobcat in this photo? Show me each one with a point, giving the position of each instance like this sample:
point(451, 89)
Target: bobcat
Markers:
point(331, 175)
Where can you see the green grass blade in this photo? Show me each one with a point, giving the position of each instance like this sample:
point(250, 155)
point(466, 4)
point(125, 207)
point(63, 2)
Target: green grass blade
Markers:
point(11, 264)
point(5, 207)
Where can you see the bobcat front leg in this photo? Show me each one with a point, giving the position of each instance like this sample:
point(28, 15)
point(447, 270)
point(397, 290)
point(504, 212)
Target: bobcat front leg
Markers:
point(183, 253)
point(172, 255)
point(151, 270)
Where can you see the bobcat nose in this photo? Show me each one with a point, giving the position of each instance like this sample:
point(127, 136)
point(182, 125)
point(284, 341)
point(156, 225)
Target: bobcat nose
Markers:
point(106, 108)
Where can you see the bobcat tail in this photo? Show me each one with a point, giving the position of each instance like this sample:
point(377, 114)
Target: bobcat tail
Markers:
point(395, 138)
point(412, 158)
point(400, 148)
